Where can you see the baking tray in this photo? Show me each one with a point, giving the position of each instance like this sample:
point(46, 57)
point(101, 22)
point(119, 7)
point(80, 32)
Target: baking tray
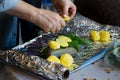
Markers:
point(80, 26)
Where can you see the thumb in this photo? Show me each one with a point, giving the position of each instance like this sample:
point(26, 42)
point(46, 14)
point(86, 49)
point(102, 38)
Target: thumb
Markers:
point(65, 12)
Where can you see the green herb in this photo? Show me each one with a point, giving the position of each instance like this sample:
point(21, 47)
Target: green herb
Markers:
point(75, 45)
point(84, 41)
point(76, 41)
point(44, 52)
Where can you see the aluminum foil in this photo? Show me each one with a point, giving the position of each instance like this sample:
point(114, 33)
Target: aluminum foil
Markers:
point(35, 64)
point(81, 26)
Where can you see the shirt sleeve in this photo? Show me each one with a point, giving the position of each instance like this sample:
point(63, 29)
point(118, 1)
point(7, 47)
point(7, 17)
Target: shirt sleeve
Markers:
point(7, 4)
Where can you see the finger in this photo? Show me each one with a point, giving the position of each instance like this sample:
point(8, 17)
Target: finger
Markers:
point(53, 29)
point(72, 12)
point(64, 12)
point(47, 29)
point(58, 28)
point(62, 22)
point(55, 26)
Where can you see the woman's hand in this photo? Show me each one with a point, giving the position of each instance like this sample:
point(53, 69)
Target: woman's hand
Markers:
point(65, 7)
point(49, 21)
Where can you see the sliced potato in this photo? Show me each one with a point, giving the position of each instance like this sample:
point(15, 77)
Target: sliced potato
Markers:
point(53, 45)
point(94, 35)
point(66, 60)
point(53, 58)
point(62, 43)
point(72, 66)
point(104, 36)
point(66, 18)
point(64, 38)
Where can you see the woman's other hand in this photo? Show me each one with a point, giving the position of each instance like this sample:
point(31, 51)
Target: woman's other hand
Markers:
point(65, 7)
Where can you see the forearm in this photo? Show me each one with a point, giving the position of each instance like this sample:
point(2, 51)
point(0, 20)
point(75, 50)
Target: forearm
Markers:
point(24, 11)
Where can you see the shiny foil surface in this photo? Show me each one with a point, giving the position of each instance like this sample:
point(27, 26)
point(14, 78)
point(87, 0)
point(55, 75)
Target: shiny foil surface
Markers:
point(27, 55)
point(81, 26)
point(34, 64)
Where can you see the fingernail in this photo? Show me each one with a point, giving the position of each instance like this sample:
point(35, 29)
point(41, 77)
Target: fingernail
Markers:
point(65, 15)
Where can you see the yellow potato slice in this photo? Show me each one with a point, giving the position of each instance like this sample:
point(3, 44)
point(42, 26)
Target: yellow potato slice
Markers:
point(66, 18)
point(64, 38)
point(104, 36)
point(62, 43)
point(53, 45)
point(94, 35)
point(72, 66)
point(53, 58)
point(66, 60)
